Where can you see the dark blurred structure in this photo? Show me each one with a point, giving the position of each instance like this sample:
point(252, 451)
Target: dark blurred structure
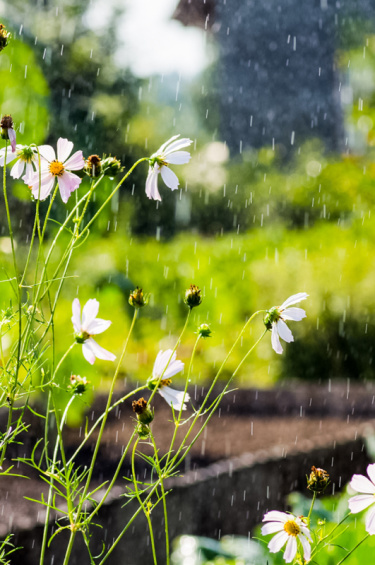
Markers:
point(276, 78)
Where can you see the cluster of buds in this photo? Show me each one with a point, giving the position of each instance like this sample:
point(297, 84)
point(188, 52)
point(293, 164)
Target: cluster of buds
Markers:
point(137, 299)
point(145, 415)
point(4, 37)
point(107, 166)
point(318, 480)
point(7, 131)
point(193, 296)
point(78, 385)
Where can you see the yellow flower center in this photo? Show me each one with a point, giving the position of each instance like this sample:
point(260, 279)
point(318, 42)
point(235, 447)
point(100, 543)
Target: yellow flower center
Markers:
point(165, 382)
point(56, 168)
point(292, 528)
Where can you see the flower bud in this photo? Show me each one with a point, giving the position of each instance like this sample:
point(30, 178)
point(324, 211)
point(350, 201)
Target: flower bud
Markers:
point(145, 414)
point(204, 330)
point(78, 385)
point(93, 166)
point(271, 316)
point(4, 37)
point(193, 296)
point(111, 166)
point(137, 298)
point(318, 480)
point(7, 131)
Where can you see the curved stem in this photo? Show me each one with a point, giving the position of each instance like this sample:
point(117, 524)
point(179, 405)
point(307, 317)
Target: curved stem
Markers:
point(166, 529)
point(352, 550)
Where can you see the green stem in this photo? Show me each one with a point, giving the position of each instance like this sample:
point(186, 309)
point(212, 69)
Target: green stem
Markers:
point(166, 529)
point(352, 550)
point(141, 503)
point(311, 508)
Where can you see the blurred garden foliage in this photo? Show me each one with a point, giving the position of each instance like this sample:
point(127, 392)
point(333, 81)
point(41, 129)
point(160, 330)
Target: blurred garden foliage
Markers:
point(249, 229)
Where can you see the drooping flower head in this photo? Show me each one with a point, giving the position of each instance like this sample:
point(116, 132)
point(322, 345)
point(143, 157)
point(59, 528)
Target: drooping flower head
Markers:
point(274, 320)
point(59, 167)
point(26, 161)
point(288, 530)
point(166, 366)
point(365, 486)
point(168, 154)
point(88, 326)
point(7, 131)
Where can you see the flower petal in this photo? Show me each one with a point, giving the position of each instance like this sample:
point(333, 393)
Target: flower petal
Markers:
point(68, 183)
point(99, 351)
point(47, 152)
point(76, 318)
point(277, 516)
point(10, 156)
point(76, 162)
point(98, 326)
point(161, 362)
point(178, 158)
point(306, 547)
point(169, 142)
point(88, 353)
point(170, 179)
point(362, 484)
point(272, 528)
point(17, 169)
point(64, 149)
point(278, 541)
point(89, 313)
point(284, 331)
point(175, 398)
point(46, 185)
point(152, 183)
point(370, 521)
point(12, 139)
point(371, 472)
point(360, 502)
point(176, 145)
point(290, 550)
point(295, 314)
point(294, 299)
point(173, 368)
point(275, 341)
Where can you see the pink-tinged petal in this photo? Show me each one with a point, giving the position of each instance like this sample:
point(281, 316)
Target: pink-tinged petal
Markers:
point(272, 528)
point(99, 351)
point(360, 502)
point(284, 331)
point(76, 162)
point(306, 547)
point(277, 516)
point(275, 341)
point(178, 158)
point(98, 326)
point(10, 156)
point(88, 353)
point(68, 183)
point(162, 147)
point(176, 145)
point(371, 472)
point(290, 550)
point(45, 189)
point(362, 484)
point(89, 313)
point(29, 170)
point(76, 318)
point(47, 152)
point(294, 299)
point(305, 530)
point(152, 183)
point(17, 169)
point(370, 521)
point(64, 149)
point(278, 541)
point(12, 139)
point(170, 179)
point(295, 314)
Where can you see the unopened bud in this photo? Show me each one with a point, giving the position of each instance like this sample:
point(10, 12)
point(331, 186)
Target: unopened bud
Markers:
point(193, 296)
point(318, 480)
point(145, 414)
point(93, 166)
point(204, 330)
point(4, 37)
point(137, 299)
point(7, 131)
point(111, 166)
point(78, 385)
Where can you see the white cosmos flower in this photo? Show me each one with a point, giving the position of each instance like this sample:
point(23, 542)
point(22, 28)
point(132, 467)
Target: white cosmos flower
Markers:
point(168, 154)
point(175, 398)
point(288, 529)
point(60, 168)
point(359, 502)
point(276, 316)
point(26, 161)
point(88, 326)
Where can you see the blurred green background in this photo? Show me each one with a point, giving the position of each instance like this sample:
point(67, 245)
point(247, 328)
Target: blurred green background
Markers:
point(249, 228)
